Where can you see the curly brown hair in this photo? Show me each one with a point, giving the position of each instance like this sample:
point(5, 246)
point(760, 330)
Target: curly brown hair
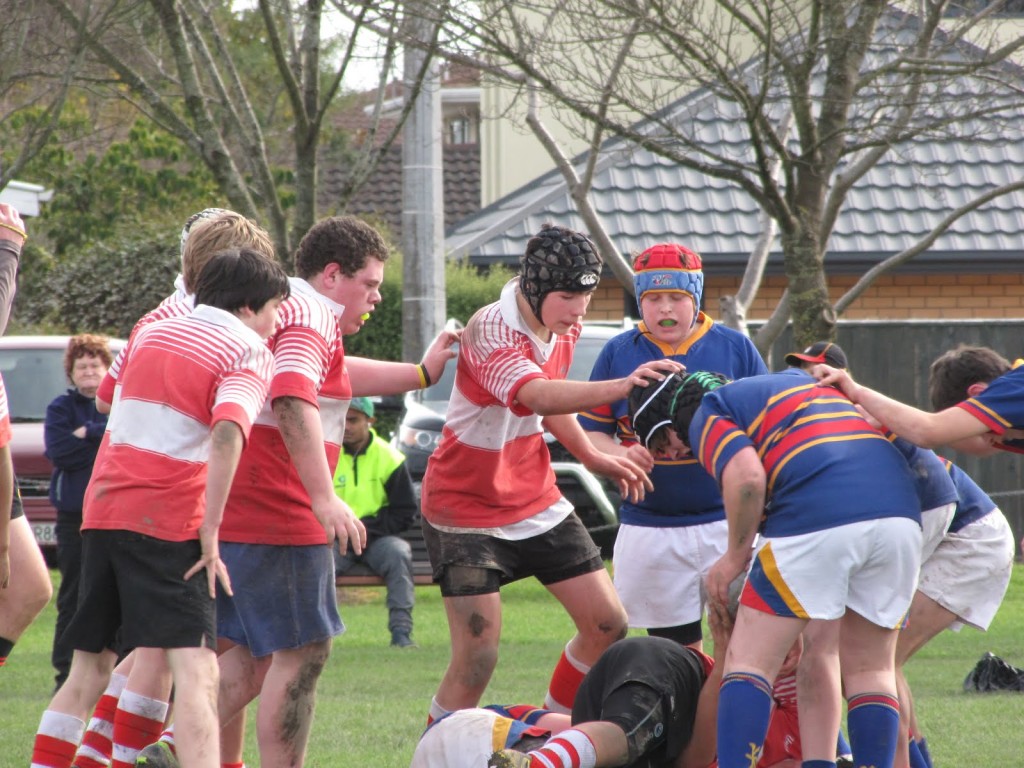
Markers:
point(86, 345)
point(342, 240)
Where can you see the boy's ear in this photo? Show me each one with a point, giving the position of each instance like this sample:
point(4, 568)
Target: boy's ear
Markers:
point(976, 388)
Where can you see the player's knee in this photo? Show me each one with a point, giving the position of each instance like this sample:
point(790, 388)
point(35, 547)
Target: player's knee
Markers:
point(607, 629)
point(40, 598)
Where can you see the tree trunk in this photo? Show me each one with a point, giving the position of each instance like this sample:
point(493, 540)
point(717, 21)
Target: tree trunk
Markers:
point(810, 307)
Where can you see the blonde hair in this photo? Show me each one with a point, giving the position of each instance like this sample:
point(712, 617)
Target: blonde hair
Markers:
point(208, 237)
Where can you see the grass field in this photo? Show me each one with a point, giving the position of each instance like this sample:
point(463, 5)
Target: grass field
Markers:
point(373, 699)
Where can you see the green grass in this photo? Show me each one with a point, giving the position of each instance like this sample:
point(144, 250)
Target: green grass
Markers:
point(373, 699)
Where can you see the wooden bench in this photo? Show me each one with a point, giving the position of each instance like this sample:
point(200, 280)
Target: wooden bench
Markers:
point(359, 575)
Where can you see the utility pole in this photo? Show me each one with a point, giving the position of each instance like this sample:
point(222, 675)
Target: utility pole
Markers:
point(423, 284)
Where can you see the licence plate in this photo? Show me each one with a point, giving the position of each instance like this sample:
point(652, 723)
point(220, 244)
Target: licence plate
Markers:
point(45, 533)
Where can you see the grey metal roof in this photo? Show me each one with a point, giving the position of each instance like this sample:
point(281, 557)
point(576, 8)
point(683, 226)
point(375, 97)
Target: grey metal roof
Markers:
point(643, 198)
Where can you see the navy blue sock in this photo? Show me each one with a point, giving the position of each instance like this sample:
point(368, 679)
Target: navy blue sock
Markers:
point(5, 649)
point(744, 706)
point(922, 744)
point(818, 764)
point(916, 758)
point(874, 721)
point(842, 745)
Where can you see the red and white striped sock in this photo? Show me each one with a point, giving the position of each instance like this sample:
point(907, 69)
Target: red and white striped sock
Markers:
point(168, 737)
point(137, 724)
point(565, 681)
point(97, 742)
point(569, 749)
point(436, 711)
point(56, 740)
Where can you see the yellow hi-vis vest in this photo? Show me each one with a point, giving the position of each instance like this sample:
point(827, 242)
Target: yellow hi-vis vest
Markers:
point(360, 479)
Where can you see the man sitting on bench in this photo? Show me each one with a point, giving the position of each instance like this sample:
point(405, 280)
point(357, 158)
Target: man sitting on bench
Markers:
point(373, 480)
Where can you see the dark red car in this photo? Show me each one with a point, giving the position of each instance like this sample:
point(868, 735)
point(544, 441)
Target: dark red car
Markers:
point(33, 372)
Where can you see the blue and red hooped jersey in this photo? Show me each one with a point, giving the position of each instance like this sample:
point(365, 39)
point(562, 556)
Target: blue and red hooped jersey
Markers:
point(1001, 406)
point(826, 466)
point(972, 502)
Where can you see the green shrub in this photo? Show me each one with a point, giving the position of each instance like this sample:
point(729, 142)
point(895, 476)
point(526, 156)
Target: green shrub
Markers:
point(469, 288)
point(35, 303)
point(105, 289)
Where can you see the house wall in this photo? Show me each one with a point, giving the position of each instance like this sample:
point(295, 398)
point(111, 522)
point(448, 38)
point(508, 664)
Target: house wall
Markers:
point(892, 297)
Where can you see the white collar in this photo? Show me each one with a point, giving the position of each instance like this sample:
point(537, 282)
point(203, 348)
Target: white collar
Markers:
point(509, 307)
point(300, 286)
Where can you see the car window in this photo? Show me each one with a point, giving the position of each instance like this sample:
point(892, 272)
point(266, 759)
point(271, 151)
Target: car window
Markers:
point(441, 390)
point(32, 378)
point(583, 357)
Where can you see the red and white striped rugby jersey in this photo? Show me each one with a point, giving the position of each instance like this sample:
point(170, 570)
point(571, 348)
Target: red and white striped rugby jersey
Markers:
point(492, 467)
point(180, 377)
point(268, 504)
point(175, 305)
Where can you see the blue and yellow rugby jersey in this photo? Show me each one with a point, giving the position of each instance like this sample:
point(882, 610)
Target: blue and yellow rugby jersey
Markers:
point(1001, 406)
point(684, 494)
point(934, 485)
point(972, 503)
point(825, 465)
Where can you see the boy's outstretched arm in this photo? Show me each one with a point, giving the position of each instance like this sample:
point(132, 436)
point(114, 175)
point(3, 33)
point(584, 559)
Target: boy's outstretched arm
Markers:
point(547, 397)
point(929, 430)
point(631, 477)
point(382, 377)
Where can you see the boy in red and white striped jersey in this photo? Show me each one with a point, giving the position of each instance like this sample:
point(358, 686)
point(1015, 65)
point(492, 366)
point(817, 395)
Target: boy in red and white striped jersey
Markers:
point(142, 707)
point(283, 515)
point(492, 508)
point(188, 394)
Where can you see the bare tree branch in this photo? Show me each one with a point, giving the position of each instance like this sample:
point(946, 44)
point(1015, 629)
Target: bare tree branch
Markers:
point(923, 244)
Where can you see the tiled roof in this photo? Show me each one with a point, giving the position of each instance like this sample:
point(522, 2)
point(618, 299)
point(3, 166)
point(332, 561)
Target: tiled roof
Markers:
point(644, 198)
point(381, 196)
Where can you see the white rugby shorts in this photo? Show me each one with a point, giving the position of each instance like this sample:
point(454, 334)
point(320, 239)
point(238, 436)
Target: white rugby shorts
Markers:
point(658, 572)
point(969, 571)
point(870, 567)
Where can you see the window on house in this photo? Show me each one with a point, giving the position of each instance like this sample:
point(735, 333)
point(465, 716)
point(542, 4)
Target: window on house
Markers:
point(459, 131)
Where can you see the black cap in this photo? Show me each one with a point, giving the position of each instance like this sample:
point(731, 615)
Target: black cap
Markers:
point(826, 352)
